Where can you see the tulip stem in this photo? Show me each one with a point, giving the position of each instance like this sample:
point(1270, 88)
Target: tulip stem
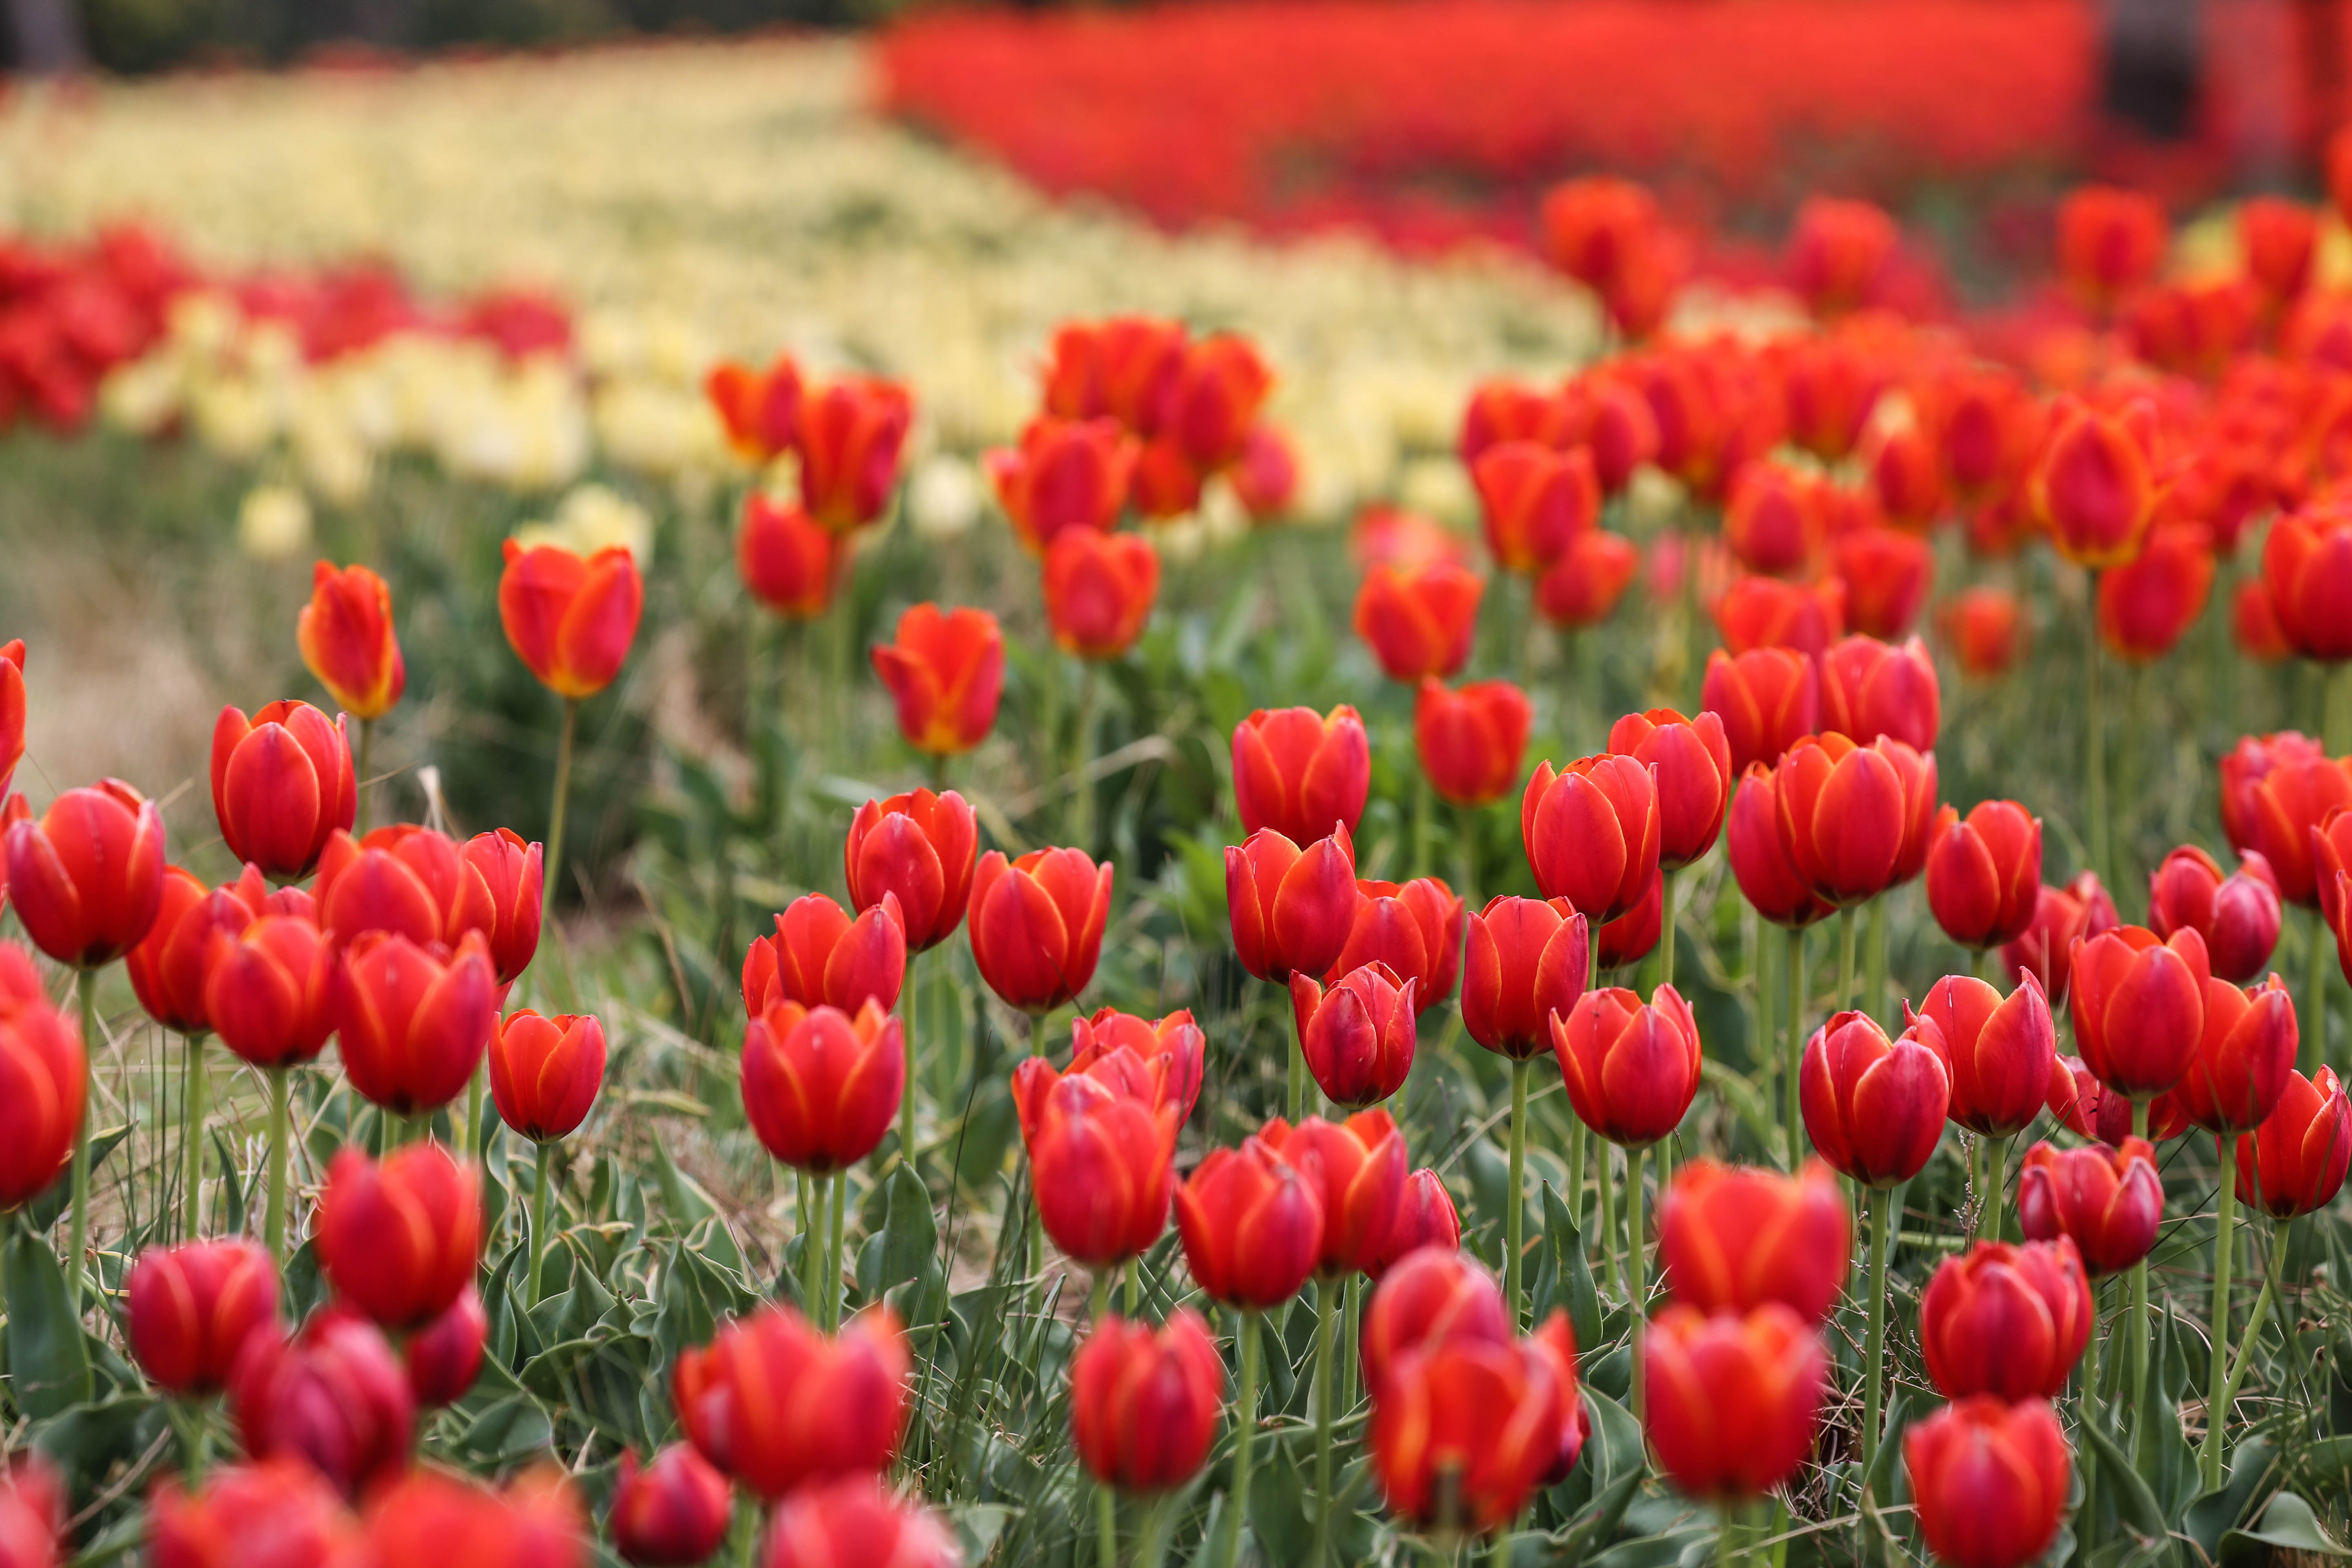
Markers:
point(1846, 963)
point(2314, 1051)
point(273, 1222)
point(1106, 1504)
point(1134, 1287)
point(2144, 1429)
point(833, 1280)
point(1575, 1193)
point(2086, 1409)
point(1882, 1250)
point(906, 1091)
point(1229, 1530)
point(1036, 1216)
point(812, 1217)
point(192, 1120)
point(78, 1227)
point(2095, 745)
point(1637, 1268)
point(534, 1274)
point(553, 880)
point(1665, 928)
point(1995, 1188)
point(2217, 1408)
point(1793, 1048)
point(470, 1136)
point(1082, 753)
point(1326, 1370)
point(1607, 1211)
point(1515, 1217)
point(1420, 822)
point(367, 744)
point(2263, 1301)
point(1874, 985)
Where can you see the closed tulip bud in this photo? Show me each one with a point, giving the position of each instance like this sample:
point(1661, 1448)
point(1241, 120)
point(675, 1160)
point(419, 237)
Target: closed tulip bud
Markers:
point(1999, 1051)
point(786, 562)
point(819, 957)
point(1871, 688)
point(2278, 238)
point(334, 1396)
point(849, 439)
point(1843, 812)
point(1252, 1224)
point(1593, 225)
point(1144, 1405)
point(1764, 612)
point(1213, 401)
point(400, 1239)
point(1529, 959)
point(570, 618)
point(1172, 1051)
point(1691, 762)
point(1767, 699)
point(1582, 585)
point(2243, 1060)
point(411, 881)
point(278, 1513)
point(1100, 589)
point(1838, 252)
point(2238, 915)
point(1632, 1068)
point(1732, 1398)
point(346, 637)
point(269, 990)
point(1415, 929)
point(1906, 480)
point(2107, 1200)
point(2110, 241)
point(1592, 833)
point(1358, 1169)
point(86, 878)
point(672, 1513)
point(428, 1516)
point(2140, 1007)
point(43, 1077)
point(1471, 740)
point(2255, 624)
point(412, 1027)
point(1067, 475)
point(510, 871)
point(1533, 501)
point(1358, 1036)
point(760, 410)
point(2307, 567)
point(2293, 1163)
point(1632, 936)
point(1298, 772)
point(920, 846)
point(1984, 628)
point(946, 673)
point(2081, 1104)
point(821, 1087)
point(1426, 1219)
point(1430, 1297)
point(775, 1404)
point(191, 1307)
point(1984, 873)
point(1292, 912)
point(1462, 1430)
point(2006, 1321)
point(545, 1072)
point(1770, 521)
point(2147, 605)
point(2094, 489)
point(1501, 411)
point(167, 967)
point(1419, 622)
point(282, 783)
point(1101, 1161)
point(853, 1520)
point(1991, 1479)
point(1874, 1106)
point(1887, 574)
point(1037, 925)
point(1733, 1237)
point(444, 1356)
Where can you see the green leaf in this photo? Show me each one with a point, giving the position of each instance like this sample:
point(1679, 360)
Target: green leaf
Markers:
point(1567, 1247)
point(2288, 1524)
point(1890, 1442)
point(1277, 1511)
point(910, 1235)
point(43, 1211)
point(89, 1442)
point(232, 1187)
point(48, 1366)
point(2135, 1500)
point(2216, 1512)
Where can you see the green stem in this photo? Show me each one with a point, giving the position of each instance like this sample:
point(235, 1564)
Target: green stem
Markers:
point(1105, 1504)
point(1229, 1546)
point(1637, 1266)
point(77, 1228)
point(1325, 1373)
point(1793, 1047)
point(359, 774)
point(470, 1136)
point(833, 1280)
point(1874, 991)
point(2313, 1049)
point(1995, 1188)
point(1294, 1098)
point(192, 1118)
point(2095, 744)
point(2143, 1429)
point(275, 1223)
point(1607, 1189)
point(906, 1094)
point(2245, 1355)
point(1420, 822)
point(552, 882)
point(1515, 1216)
point(1036, 1218)
point(812, 1196)
point(1666, 928)
point(1134, 1287)
point(1844, 998)
point(2086, 1409)
point(1881, 1216)
point(534, 1292)
point(1082, 751)
point(2217, 1410)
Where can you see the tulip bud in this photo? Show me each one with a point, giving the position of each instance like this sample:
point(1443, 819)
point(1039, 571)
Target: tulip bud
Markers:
point(1632, 1068)
point(1298, 772)
point(672, 1513)
point(12, 711)
point(1592, 833)
point(1359, 1166)
point(1838, 253)
point(2147, 604)
point(1292, 912)
point(1430, 1297)
point(1415, 929)
point(1691, 762)
point(775, 1404)
point(1764, 612)
point(411, 1026)
point(820, 1087)
point(1067, 475)
point(334, 1396)
point(444, 1356)
point(1501, 411)
point(1464, 1429)
point(1533, 501)
point(1527, 959)
point(1252, 1224)
point(1419, 623)
point(1874, 1106)
point(1581, 587)
point(2140, 1007)
point(43, 1079)
point(946, 673)
point(570, 618)
point(2293, 1163)
point(2243, 1060)
point(920, 846)
point(1985, 631)
point(1632, 936)
point(1358, 1036)
point(819, 957)
point(1471, 740)
point(278, 1513)
point(849, 438)
point(544, 1072)
point(786, 560)
point(851, 1521)
point(1209, 406)
point(2006, 1321)
point(2094, 489)
point(86, 878)
point(2110, 241)
point(2238, 915)
point(1991, 1479)
point(191, 1307)
point(1984, 873)
point(346, 637)
point(1098, 590)
point(1767, 699)
point(409, 880)
point(282, 782)
point(1760, 863)
point(2107, 1201)
point(2307, 567)
point(269, 990)
point(1887, 574)
point(1871, 688)
point(1843, 810)
point(509, 872)
point(1733, 1237)
point(1771, 519)
point(1732, 1398)
point(1101, 1161)
point(1144, 1405)
point(1037, 925)
point(400, 1239)
point(1172, 1051)
point(1999, 1051)
point(760, 410)
point(167, 967)
point(1425, 1218)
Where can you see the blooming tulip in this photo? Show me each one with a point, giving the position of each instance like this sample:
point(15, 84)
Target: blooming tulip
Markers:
point(1419, 623)
point(2107, 1200)
point(774, 1404)
point(399, 1239)
point(1999, 1050)
point(333, 1395)
point(1691, 762)
point(1144, 1404)
point(1985, 630)
point(167, 967)
point(1291, 913)
point(1533, 501)
point(278, 1513)
point(2238, 915)
point(510, 871)
point(1172, 1048)
point(2147, 604)
point(1430, 1295)
point(848, 437)
point(1732, 1398)
point(1037, 925)
point(1067, 476)
point(1632, 1068)
point(427, 1516)
point(821, 1087)
point(946, 672)
point(761, 409)
point(1359, 1166)
point(2307, 567)
point(1100, 589)
point(1357, 1036)
point(1984, 873)
point(2110, 241)
point(1463, 1429)
point(852, 1520)
point(1767, 698)
point(2293, 1163)
point(1582, 585)
point(1874, 1106)
point(269, 990)
point(1838, 252)
point(671, 1513)
point(920, 846)
point(819, 957)
point(544, 1072)
point(412, 1027)
point(570, 618)
point(1764, 612)
point(1871, 688)
point(1592, 833)
point(1298, 772)
point(2094, 489)
point(2243, 1058)
point(86, 878)
point(191, 1307)
point(1100, 1164)
point(786, 560)
point(1426, 1219)
point(444, 1356)
point(346, 637)
point(1991, 1478)
point(1887, 574)
point(1415, 928)
point(2006, 1321)
point(1771, 519)
point(1631, 937)
point(2140, 1007)
point(1733, 1237)
point(1471, 740)
point(1759, 859)
point(1252, 1224)
point(282, 783)
point(1846, 811)
point(1529, 959)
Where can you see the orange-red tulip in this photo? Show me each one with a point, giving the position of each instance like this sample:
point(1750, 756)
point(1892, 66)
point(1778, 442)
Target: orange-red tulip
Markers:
point(400, 1239)
point(429, 1517)
point(282, 783)
point(2308, 566)
point(672, 1513)
point(1632, 1068)
point(190, 1307)
point(1732, 1397)
point(1527, 959)
point(760, 410)
point(819, 957)
point(1166, 484)
point(1760, 859)
point(1252, 1224)
point(1121, 368)
point(280, 1513)
point(1464, 1429)
point(410, 881)
point(2147, 604)
point(1415, 928)
point(2107, 1200)
point(1265, 477)
point(1692, 762)
point(1874, 1106)
point(411, 1024)
point(775, 1404)
point(1067, 474)
point(2238, 915)
point(2243, 1058)
point(1887, 574)
point(1170, 1052)
point(919, 846)
point(1765, 612)
point(1100, 589)
point(849, 439)
point(1101, 1161)
point(1501, 411)
point(1533, 501)
point(1991, 1478)
point(1292, 911)
point(1984, 873)
point(345, 634)
point(569, 618)
point(1582, 585)
point(511, 873)
point(1471, 739)
point(2061, 916)
point(1838, 252)
point(1426, 1220)
point(786, 560)
point(2140, 1007)
point(820, 1086)
point(1419, 623)
point(1733, 1237)
point(270, 989)
point(1298, 772)
point(1037, 925)
point(2094, 489)
point(945, 673)
point(2081, 1104)
point(334, 1396)
point(1358, 1169)
point(1767, 699)
point(1848, 813)
point(1592, 227)
point(1211, 404)
point(1871, 688)
point(1357, 1036)
point(1430, 1297)
point(2293, 1163)
point(444, 1356)
point(1999, 1051)
point(2278, 238)
point(86, 877)
point(545, 1072)
point(2244, 772)
point(167, 967)
point(2006, 1321)
point(1144, 1404)
point(1592, 833)
point(1985, 629)
point(1630, 938)
point(1772, 519)
point(2110, 241)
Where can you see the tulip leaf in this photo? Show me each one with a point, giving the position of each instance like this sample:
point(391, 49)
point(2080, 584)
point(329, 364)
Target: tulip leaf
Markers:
point(48, 1365)
point(1277, 1511)
point(1565, 1259)
point(43, 1211)
point(2288, 1524)
point(89, 1442)
point(1890, 1442)
point(232, 1188)
point(2135, 1500)
point(2207, 1519)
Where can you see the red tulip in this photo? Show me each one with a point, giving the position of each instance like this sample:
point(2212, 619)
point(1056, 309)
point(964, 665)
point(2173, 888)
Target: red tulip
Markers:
point(1764, 612)
point(545, 1072)
point(570, 618)
point(334, 1396)
point(400, 1239)
point(1165, 485)
point(821, 1087)
point(1037, 925)
point(346, 637)
point(1431, 1297)
point(1838, 253)
point(1907, 485)
point(86, 878)
point(1462, 1430)
point(2108, 1201)
point(1985, 630)
point(849, 437)
point(1999, 1050)
point(1732, 1398)
point(1067, 476)
point(2110, 241)
point(852, 1520)
point(761, 409)
point(278, 1513)
point(1771, 519)
point(1592, 833)
point(2061, 916)
point(2255, 624)
point(1298, 772)
point(1887, 574)
point(1291, 913)
point(444, 1356)
point(1144, 1405)
point(819, 957)
point(1357, 1036)
point(510, 871)
point(1527, 959)
point(785, 559)
point(1765, 698)
point(1415, 929)
point(2083, 1105)
point(1419, 623)
point(1691, 762)
point(1471, 740)
point(2238, 915)
point(1265, 477)
point(1984, 873)
point(946, 672)
point(1582, 585)
point(1733, 1237)
point(2243, 1060)
point(1501, 411)
point(407, 880)
point(1845, 811)
point(1631, 937)
point(1632, 1068)
point(1100, 589)
point(775, 1404)
point(269, 990)
point(1426, 1219)
point(1831, 383)
point(2308, 566)
point(1871, 688)
point(2140, 1007)
point(920, 846)
point(1874, 1106)
point(672, 1513)
point(1593, 225)
point(2279, 238)
point(1533, 501)
point(167, 967)
point(1208, 408)
point(1358, 1169)
point(2094, 489)
point(1172, 1051)
point(427, 1516)
point(1252, 1224)
point(411, 1025)
point(1760, 859)
point(2147, 604)
point(2250, 765)
point(2293, 1163)
point(191, 1307)
point(1991, 1478)
point(44, 1076)
point(1100, 1163)
point(2006, 1321)
point(282, 782)
point(1121, 367)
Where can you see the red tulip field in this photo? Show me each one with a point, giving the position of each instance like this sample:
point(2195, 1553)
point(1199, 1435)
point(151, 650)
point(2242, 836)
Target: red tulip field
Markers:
point(727, 841)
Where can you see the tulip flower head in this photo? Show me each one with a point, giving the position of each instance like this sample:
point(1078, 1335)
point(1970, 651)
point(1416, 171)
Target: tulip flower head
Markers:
point(545, 1072)
point(1838, 252)
point(2110, 241)
point(1691, 762)
point(1873, 1107)
point(444, 1356)
point(191, 1307)
point(1101, 1160)
point(1533, 501)
point(1428, 1296)
point(786, 560)
point(2147, 604)
point(777, 1404)
point(1592, 832)
point(167, 967)
point(1991, 1478)
point(1529, 959)
point(1144, 1404)
point(849, 437)
point(1732, 1397)
point(282, 783)
point(1631, 937)
point(1984, 873)
point(1464, 1429)
point(819, 957)
point(1471, 739)
point(1067, 476)
point(1984, 628)
point(946, 672)
point(820, 1086)
point(270, 989)
point(1871, 688)
point(1848, 813)
point(411, 1024)
point(2061, 917)
point(1358, 1036)
point(2094, 489)
point(1037, 925)
point(2293, 1163)
point(1772, 519)
point(920, 846)
point(1632, 1068)
point(1359, 1166)
point(1252, 1224)
point(1887, 573)
point(1415, 928)
point(1733, 1237)
point(1298, 772)
point(1764, 612)
point(2138, 1005)
point(1419, 623)
point(399, 1238)
point(1767, 699)
point(1292, 911)
point(570, 618)
point(2243, 1060)
point(345, 634)
point(510, 872)
point(423, 1516)
point(1999, 1050)
point(1100, 589)
point(280, 1512)
point(1581, 586)
point(1171, 1052)
point(2307, 568)
point(760, 410)
point(2107, 1200)
point(670, 1513)
point(86, 878)
point(334, 1396)
point(2007, 1320)
point(1760, 862)
point(852, 1519)
point(1426, 1219)
point(2238, 915)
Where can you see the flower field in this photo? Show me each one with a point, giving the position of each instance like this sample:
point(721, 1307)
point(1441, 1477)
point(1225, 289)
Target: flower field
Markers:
point(726, 841)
